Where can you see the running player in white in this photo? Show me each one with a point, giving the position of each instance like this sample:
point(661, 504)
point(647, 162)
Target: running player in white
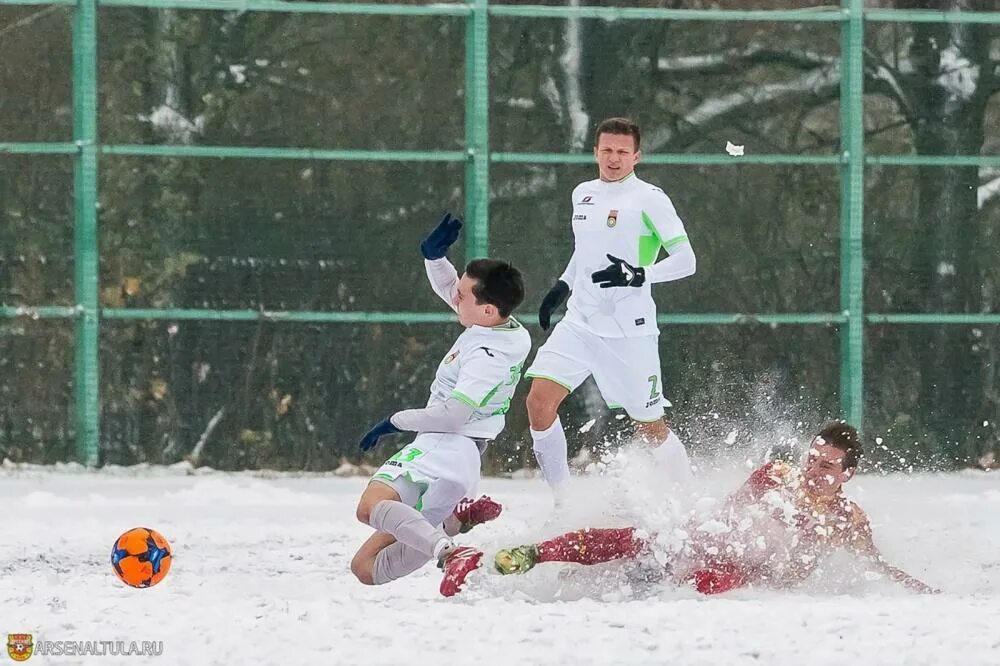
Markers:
point(413, 500)
point(620, 225)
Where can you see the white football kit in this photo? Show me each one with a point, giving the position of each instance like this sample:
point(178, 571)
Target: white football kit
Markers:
point(611, 333)
point(481, 371)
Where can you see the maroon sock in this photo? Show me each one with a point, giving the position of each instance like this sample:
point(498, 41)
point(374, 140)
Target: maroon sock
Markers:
point(592, 546)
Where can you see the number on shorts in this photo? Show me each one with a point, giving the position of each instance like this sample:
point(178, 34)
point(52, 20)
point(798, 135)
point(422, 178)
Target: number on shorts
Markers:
point(653, 381)
point(409, 454)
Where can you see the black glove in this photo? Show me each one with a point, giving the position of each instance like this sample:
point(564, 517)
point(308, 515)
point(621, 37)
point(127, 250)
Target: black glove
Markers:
point(619, 274)
point(436, 245)
point(557, 294)
point(380, 429)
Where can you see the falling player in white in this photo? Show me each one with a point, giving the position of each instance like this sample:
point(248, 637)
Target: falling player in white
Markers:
point(620, 225)
point(413, 500)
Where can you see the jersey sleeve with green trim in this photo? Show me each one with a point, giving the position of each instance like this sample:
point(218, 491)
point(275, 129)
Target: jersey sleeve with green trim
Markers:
point(481, 371)
point(666, 232)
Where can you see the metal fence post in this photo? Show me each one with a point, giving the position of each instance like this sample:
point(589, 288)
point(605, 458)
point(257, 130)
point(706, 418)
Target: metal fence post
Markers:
point(477, 131)
point(86, 263)
point(852, 213)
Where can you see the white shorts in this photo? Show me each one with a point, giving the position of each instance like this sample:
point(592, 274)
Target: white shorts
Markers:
point(627, 370)
point(433, 473)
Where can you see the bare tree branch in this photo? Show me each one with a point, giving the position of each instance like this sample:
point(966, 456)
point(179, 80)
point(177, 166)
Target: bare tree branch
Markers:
point(884, 78)
point(738, 60)
point(28, 20)
point(987, 192)
point(818, 85)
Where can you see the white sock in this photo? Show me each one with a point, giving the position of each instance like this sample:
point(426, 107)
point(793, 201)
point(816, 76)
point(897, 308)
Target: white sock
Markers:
point(408, 526)
point(452, 525)
point(395, 561)
point(673, 459)
point(550, 452)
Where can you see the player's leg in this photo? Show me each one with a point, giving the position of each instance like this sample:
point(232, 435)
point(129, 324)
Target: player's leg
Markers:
point(666, 448)
point(444, 497)
point(382, 558)
point(628, 374)
point(363, 562)
point(587, 546)
point(548, 441)
point(560, 365)
point(394, 500)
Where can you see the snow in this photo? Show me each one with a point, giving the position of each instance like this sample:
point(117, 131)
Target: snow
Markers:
point(570, 61)
point(173, 124)
point(987, 192)
point(261, 576)
point(958, 75)
point(946, 268)
point(239, 73)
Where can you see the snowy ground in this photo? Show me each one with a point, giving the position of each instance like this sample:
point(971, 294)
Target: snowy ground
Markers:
point(261, 577)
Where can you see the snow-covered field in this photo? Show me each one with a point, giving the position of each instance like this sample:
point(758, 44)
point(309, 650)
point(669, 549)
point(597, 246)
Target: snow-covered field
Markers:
point(261, 576)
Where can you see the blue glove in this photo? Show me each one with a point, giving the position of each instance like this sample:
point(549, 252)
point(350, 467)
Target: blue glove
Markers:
point(436, 245)
point(380, 429)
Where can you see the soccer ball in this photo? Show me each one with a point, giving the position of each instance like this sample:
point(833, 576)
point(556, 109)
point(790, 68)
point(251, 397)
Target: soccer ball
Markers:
point(141, 557)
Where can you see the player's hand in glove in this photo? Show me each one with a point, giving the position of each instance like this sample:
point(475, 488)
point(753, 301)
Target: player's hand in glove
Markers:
point(436, 245)
point(557, 294)
point(619, 274)
point(380, 429)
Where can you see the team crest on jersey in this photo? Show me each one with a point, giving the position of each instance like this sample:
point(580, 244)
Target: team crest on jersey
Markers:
point(450, 357)
point(612, 218)
point(20, 646)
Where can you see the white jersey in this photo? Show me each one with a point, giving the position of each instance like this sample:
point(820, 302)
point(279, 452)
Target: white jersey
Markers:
point(629, 219)
point(483, 366)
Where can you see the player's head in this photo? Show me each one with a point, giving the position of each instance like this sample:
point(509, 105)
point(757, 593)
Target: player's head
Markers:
point(832, 458)
point(488, 292)
point(616, 148)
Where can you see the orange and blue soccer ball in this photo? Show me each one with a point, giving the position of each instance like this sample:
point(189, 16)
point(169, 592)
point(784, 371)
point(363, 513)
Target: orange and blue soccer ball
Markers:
point(141, 557)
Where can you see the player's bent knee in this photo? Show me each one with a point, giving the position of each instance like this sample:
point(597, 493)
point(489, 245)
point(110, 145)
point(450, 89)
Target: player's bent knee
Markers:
point(364, 513)
point(542, 409)
point(362, 568)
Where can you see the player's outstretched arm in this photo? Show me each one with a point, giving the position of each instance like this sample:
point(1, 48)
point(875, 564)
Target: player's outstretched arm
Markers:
point(440, 272)
point(480, 374)
point(662, 220)
point(447, 416)
point(903, 578)
point(680, 263)
point(863, 543)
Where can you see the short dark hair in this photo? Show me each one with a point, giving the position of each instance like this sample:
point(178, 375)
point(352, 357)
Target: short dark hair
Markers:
point(623, 126)
point(497, 283)
point(845, 437)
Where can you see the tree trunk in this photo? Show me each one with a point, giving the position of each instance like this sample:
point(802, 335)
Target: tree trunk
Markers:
point(948, 108)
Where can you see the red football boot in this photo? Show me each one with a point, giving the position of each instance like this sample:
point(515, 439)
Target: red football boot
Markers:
point(476, 512)
point(457, 565)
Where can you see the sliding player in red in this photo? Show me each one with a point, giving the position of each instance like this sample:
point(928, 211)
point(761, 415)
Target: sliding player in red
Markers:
point(774, 531)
